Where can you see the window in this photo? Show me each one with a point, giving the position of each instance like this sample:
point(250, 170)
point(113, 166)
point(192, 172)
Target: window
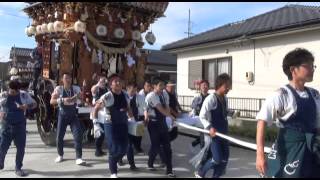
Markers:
point(214, 67)
point(195, 73)
point(209, 69)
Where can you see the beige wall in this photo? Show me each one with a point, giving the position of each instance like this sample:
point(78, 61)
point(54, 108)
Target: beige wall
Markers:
point(269, 53)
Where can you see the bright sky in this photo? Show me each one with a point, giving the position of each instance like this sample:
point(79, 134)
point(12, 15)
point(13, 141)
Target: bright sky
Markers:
point(204, 16)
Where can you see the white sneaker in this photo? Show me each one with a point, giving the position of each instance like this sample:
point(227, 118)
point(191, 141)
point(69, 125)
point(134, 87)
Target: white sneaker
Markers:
point(80, 162)
point(196, 174)
point(58, 159)
point(113, 176)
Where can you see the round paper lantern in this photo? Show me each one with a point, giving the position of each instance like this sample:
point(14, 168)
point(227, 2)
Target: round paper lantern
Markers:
point(44, 28)
point(150, 38)
point(58, 26)
point(38, 29)
point(80, 26)
point(136, 35)
point(50, 27)
point(101, 30)
point(32, 30)
point(119, 33)
point(26, 30)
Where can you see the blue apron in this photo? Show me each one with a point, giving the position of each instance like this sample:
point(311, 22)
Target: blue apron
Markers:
point(291, 155)
point(119, 117)
point(117, 131)
point(14, 115)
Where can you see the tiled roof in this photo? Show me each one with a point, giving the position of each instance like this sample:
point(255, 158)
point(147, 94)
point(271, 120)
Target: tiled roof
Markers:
point(161, 57)
point(287, 17)
point(22, 52)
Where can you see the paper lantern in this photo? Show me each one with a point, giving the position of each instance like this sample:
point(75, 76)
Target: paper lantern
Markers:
point(58, 26)
point(119, 33)
point(32, 30)
point(136, 35)
point(50, 27)
point(150, 38)
point(80, 26)
point(101, 30)
point(44, 28)
point(38, 29)
point(26, 30)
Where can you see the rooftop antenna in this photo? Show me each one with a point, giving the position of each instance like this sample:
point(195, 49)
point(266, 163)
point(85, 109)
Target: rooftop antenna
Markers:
point(189, 26)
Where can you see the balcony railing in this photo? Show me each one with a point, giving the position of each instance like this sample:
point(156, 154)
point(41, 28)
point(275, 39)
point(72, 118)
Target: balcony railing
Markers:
point(248, 107)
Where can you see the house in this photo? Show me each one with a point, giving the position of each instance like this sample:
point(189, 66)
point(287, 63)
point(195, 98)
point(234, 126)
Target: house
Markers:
point(251, 51)
point(161, 64)
point(21, 59)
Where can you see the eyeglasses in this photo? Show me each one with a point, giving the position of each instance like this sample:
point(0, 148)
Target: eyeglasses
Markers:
point(309, 66)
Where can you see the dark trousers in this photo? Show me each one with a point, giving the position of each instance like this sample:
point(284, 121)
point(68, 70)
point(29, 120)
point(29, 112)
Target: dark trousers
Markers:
point(173, 134)
point(99, 140)
point(76, 129)
point(220, 155)
point(159, 136)
point(17, 133)
point(117, 143)
point(130, 154)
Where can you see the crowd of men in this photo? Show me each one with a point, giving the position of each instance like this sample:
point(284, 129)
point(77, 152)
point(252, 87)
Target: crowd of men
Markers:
point(295, 107)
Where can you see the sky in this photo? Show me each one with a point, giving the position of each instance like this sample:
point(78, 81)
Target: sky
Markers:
point(172, 27)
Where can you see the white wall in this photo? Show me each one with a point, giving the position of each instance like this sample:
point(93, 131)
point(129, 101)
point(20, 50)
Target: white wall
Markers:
point(269, 53)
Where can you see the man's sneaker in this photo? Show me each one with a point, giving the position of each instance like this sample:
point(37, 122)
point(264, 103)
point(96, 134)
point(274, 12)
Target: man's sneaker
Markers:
point(113, 176)
point(80, 162)
point(133, 168)
point(21, 173)
point(58, 159)
point(1, 166)
point(171, 175)
point(196, 174)
point(121, 163)
point(99, 153)
point(151, 168)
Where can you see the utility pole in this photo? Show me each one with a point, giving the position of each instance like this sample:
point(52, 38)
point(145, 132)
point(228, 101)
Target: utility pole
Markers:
point(189, 26)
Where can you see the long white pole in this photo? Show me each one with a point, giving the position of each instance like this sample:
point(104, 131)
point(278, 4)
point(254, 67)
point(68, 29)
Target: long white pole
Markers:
point(231, 139)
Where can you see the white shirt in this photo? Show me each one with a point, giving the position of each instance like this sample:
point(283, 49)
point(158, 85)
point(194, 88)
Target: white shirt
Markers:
point(282, 105)
point(141, 92)
point(196, 102)
point(108, 101)
point(24, 96)
point(141, 105)
point(59, 91)
point(152, 100)
point(210, 103)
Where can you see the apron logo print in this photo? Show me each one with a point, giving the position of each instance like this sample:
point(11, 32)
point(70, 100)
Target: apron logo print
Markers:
point(273, 153)
point(292, 167)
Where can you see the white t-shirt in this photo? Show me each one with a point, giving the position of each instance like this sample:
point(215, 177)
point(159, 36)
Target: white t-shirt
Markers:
point(141, 92)
point(141, 105)
point(152, 100)
point(281, 105)
point(108, 101)
point(210, 103)
point(24, 96)
point(59, 91)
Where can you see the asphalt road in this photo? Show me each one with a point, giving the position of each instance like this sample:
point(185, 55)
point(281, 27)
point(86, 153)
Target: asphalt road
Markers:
point(39, 160)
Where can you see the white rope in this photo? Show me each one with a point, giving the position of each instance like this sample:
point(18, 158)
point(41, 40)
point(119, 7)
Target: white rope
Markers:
point(231, 139)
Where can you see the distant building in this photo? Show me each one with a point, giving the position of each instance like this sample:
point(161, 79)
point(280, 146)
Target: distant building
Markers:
point(161, 64)
point(4, 71)
point(20, 59)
